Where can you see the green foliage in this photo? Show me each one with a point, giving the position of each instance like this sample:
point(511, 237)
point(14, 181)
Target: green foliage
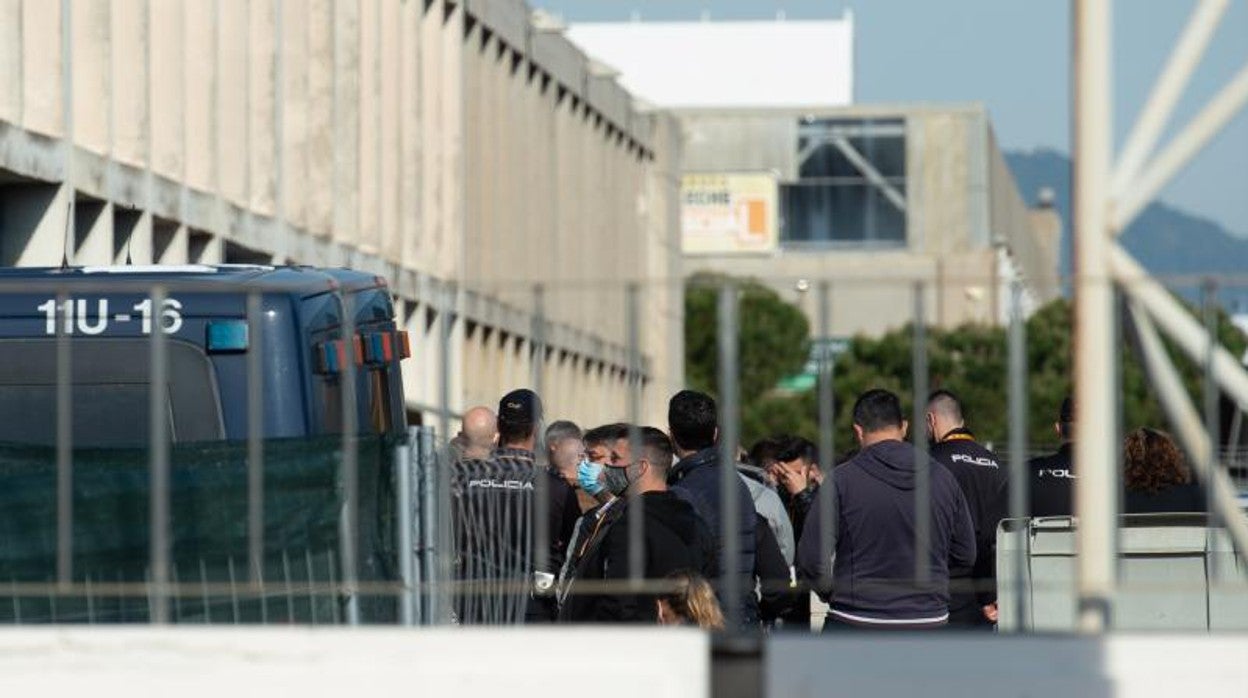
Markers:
point(774, 336)
point(970, 360)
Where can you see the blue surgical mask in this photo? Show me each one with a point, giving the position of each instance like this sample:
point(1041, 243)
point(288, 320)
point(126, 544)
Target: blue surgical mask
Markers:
point(588, 476)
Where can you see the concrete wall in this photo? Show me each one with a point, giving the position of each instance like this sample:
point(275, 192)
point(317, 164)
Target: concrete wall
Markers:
point(451, 146)
point(962, 208)
point(252, 663)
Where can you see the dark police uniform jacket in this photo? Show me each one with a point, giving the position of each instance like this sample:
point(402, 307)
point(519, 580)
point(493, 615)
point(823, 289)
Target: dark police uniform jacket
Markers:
point(1052, 483)
point(984, 483)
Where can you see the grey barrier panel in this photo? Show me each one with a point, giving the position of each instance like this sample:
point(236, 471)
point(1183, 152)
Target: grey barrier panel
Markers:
point(933, 666)
point(1164, 561)
point(1228, 584)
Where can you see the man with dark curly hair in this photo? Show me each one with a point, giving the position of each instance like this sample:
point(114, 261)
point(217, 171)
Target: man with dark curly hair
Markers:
point(1157, 478)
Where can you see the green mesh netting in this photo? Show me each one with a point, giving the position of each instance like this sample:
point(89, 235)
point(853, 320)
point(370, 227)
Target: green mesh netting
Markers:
point(303, 504)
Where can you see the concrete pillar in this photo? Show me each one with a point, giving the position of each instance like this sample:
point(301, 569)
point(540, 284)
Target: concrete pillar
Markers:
point(261, 110)
point(232, 102)
point(129, 79)
point(368, 135)
point(294, 113)
point(41, 67)
point(11, 72)
point(451, 192)
point(92, 46)
point(320, 127)
point(411, 125)
point(32, 224)
point(346, 189)
point(405, 315)
point(168, 79)
point(199, 87)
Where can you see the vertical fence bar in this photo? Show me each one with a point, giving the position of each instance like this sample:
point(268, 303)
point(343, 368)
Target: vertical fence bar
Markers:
point(827, 423)
point(255, 442)
point(922, 471)
point(64, 445)
point(403, 504)
point(158, 459)
point(636, 518)
point(729, 512)
point(445, 311)
point(229, 564)
point(1018, 444)
point(543, 575)
point(311, 577)
point(438, 483)
point(90, 601)
point(203, 591)
point(290, 588)
point(1212, 403)
point(350, 462)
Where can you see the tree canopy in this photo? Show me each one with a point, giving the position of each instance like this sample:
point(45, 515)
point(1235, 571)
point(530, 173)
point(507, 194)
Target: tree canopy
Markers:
point(970, 360)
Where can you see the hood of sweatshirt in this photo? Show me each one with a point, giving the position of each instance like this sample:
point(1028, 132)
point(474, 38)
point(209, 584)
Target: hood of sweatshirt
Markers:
point(890, 462)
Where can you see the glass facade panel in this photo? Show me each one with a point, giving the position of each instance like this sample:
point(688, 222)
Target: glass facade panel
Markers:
point(840, 197)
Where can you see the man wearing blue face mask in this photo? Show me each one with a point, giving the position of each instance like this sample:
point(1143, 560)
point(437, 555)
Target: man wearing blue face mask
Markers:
point(590, 478)
point(673, 537)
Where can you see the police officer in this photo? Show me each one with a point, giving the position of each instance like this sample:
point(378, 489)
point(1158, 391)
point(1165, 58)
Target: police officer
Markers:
point(973, 590)
point(1053, 476)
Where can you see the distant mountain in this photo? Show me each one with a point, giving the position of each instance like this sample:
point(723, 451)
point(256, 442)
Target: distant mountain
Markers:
point(1166, 240)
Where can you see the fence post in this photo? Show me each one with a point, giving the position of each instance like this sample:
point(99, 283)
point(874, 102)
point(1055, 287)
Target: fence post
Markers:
point(403, 496)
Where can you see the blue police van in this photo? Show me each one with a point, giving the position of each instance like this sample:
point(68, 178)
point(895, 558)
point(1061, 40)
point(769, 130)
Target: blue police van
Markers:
point(108, 314)
point(303, 332)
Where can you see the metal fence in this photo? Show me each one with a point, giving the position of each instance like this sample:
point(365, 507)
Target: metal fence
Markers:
point(432, 547)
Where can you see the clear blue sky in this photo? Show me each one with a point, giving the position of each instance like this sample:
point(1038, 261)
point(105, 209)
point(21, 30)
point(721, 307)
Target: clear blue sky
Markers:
point(1013, 55)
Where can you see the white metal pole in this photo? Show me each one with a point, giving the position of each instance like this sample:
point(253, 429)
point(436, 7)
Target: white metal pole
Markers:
point(1167, 90)
point(1189, 428)
point(1190, 141)
point(1096, 451)
point(1173, 319)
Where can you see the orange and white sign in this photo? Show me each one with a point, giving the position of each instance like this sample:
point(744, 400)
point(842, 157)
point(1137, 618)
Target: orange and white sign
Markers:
point(728, 213)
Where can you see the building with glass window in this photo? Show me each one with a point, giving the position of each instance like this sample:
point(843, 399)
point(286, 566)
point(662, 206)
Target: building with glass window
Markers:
point(876, 200)
point(787, 180)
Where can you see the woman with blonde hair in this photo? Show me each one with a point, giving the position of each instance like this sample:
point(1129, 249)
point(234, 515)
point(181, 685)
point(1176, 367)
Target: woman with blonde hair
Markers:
point(690, 600)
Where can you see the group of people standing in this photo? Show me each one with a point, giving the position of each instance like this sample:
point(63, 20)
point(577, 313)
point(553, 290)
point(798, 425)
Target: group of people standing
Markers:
point(633, 520)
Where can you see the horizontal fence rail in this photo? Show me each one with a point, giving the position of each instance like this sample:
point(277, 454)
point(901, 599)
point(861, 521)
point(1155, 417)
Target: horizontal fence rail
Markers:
point(220, 514)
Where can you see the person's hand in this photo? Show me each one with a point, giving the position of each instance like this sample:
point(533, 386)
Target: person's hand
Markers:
point(794, 484)
point(990, 612)
point(816, 476)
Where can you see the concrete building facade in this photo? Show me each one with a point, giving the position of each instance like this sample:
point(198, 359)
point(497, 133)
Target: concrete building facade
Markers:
point(801, 185)
point(950, 216)
point(476, 159)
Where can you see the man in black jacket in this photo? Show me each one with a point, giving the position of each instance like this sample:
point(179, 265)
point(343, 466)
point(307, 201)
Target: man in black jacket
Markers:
point(868, 571)
point(673, 539)
point(973, 591)
point(1053, 477)
point(693, 423)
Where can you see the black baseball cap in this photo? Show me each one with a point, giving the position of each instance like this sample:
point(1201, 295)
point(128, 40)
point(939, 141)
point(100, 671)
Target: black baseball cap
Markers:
point(521, 406)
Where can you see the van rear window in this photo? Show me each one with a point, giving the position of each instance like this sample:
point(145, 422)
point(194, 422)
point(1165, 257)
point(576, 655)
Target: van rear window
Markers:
point(109, 392)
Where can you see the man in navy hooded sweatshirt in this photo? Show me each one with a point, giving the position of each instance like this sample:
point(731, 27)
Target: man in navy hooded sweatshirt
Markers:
point(867, 572)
